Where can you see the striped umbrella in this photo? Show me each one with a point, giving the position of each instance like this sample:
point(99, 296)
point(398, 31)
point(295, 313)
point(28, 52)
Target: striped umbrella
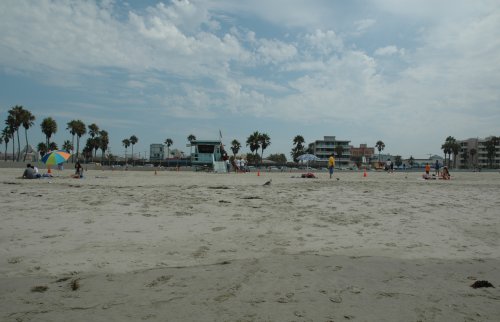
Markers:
point(55, 157)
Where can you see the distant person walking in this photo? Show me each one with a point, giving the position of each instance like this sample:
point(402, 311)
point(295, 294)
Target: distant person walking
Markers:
point(331, 164)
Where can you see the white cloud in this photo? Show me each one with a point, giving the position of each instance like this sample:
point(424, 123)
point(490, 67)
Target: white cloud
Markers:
point(364, 24)
point(275, 51)
point(389, 51)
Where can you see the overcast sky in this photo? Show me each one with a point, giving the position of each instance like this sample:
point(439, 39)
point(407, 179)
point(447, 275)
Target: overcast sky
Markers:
point(409, 73)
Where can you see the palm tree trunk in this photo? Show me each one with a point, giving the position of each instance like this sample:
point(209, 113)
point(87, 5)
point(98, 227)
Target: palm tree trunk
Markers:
point(13, 148)
point(26, 153)
point(77, 146)
point(18, 146)
point(73, 146)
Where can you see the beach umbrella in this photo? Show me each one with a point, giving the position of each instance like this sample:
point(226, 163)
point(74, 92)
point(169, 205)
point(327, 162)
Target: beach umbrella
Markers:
point(55, 157)
point(308, 157)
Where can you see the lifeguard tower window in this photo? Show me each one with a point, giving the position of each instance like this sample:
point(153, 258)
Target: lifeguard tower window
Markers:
point(205, 148)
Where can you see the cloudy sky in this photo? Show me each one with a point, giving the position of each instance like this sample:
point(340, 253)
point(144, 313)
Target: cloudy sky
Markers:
point(409, 73)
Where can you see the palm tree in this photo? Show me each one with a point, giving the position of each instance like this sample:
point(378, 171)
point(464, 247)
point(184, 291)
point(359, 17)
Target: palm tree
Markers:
point(133, 140)
point(380, 147)
point(67, 146)
point(126, 144)
point(298, 149)
point(411, 160)
point(264, 141)
point(27, 120)
point(6, 138)
point(80, 130)
point(448, 147)
point(11, 125)
point(490, 146)
point(15, 121)
point(472, 153)
point(42, 149)
point(339, 150)
point(191, 138)
point(235, 147)
point(168, 143)
point(253, 142)
point(103, 143)
point(71, 127)
point(53, 146)
point(49, 127)
point(94, 132)
point(455, 149)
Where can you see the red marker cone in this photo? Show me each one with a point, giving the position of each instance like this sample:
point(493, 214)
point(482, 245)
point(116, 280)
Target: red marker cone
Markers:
point(364, 174)
point(258, 173)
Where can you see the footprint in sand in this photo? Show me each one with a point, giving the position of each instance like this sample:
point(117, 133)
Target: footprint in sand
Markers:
point(200, 252)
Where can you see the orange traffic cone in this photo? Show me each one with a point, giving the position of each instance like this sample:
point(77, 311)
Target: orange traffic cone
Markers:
point(48, 170)
point(364, 174)
point(258, 173)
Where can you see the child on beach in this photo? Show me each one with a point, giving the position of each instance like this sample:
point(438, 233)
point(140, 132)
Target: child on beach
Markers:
point(445, 174)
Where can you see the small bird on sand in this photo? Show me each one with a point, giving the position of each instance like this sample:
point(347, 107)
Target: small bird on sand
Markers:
point(268, 183)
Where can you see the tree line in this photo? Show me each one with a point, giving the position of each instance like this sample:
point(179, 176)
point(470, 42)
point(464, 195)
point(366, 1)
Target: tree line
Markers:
point(18, 117)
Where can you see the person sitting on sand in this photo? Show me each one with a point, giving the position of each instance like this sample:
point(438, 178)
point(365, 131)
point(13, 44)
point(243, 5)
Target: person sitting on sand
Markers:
point(445, 174)
point(78, 170)
point(37, 173)
point(29, 172)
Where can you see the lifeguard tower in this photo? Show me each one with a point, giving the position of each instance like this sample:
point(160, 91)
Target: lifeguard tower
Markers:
point(207, 154)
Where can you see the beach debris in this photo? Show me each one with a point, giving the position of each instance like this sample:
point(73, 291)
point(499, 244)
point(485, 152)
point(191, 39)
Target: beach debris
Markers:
point(75, 284)
point(39, 289)
point(160, 280)
point(251, 197)
point(336, 299)
point(480, 284)
point(268, 183)
point(63, 279)
point(219, 187)
point(14, 260)
point(224, 201)
point(224, 263)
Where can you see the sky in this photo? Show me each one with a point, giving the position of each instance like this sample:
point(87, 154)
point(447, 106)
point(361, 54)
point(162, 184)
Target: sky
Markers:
point(409, 73)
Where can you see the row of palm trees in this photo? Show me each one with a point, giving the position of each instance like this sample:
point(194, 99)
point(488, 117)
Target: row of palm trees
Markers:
point(18, 117)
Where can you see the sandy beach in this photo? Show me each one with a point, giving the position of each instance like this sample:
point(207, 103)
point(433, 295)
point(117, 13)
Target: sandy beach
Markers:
point(186, 246)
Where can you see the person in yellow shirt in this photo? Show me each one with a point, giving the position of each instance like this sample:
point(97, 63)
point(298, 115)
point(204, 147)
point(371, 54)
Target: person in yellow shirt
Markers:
point(331, 164)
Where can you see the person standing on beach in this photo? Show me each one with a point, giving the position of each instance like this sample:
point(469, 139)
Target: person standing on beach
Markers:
point(427, 168)
point(436, 167)
point(331, 164)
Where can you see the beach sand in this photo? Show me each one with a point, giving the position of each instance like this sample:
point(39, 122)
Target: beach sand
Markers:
point(186, 246)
